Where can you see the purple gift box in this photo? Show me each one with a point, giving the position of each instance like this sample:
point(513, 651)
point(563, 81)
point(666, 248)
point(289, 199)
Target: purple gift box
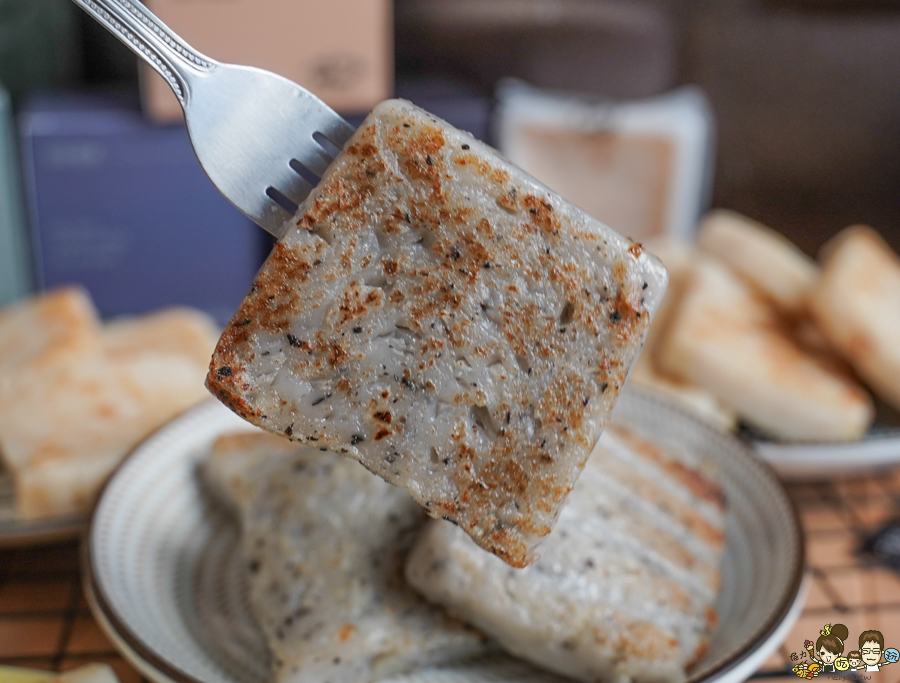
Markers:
point(122, 207)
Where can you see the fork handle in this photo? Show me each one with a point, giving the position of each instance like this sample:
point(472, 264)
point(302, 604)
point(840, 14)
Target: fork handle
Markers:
point(151, 39)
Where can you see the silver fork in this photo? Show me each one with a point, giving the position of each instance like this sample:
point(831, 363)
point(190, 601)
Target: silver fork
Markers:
point(255, 133)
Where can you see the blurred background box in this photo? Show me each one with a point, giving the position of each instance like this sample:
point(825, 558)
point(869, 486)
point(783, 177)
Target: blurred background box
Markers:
point(39, 45)
point(15, 276)
point(123, 207)
point(642, 166)
point(342, 50)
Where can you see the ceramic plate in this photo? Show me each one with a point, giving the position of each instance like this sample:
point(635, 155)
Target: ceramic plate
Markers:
point(164, 574)
point(880, 448)
point(14, 532)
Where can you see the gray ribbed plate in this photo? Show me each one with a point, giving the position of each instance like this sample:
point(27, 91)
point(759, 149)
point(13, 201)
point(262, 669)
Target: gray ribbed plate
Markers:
point(880, 448)
point(164, 572)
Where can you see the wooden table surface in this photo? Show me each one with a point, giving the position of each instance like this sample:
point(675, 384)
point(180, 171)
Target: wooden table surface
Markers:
point(45, 622)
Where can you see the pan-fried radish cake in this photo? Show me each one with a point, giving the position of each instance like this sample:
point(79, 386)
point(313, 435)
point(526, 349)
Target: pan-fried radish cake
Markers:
point(857, 307)
point(727, 339)
point(76, 394)
point(325, 543)
point(62, 320)
point(66, 422)
point(766, 259)
point(436, 314)
point(626, 591)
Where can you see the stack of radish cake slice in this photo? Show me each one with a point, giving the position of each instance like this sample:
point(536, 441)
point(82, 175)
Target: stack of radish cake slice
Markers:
point(324, 544)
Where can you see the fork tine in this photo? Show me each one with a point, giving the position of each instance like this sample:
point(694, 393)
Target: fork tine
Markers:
point(311, 156)
point(294, 187)
point(335, 129)
point(273, 213)
point(247, 125)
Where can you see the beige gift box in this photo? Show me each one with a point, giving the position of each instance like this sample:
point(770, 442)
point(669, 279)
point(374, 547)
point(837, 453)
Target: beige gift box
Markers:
point(341, 50)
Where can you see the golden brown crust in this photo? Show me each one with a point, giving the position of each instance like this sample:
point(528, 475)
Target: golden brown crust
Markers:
point(729, 340)
point(855, 306)
point(701, 487)
point(416, 224)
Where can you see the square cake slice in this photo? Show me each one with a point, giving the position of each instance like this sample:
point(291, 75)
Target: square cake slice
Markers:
point(627, 591)
point(435, 313)
point(325, 543)
point(76, 396)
